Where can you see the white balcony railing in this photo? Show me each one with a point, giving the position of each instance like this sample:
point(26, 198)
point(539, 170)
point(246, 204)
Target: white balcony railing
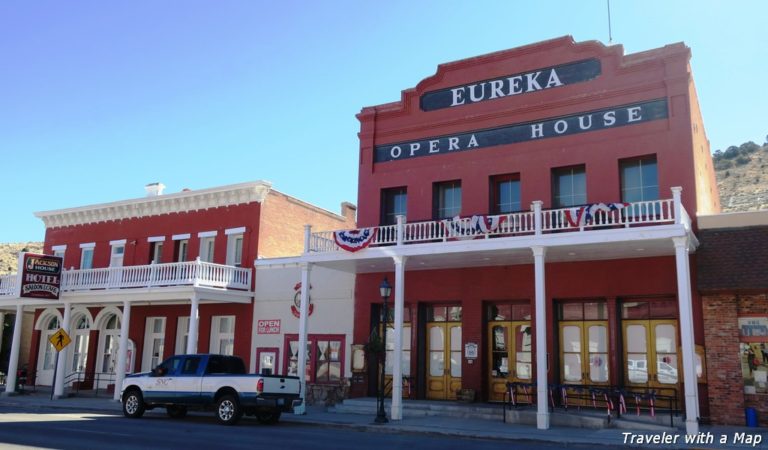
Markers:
point(191, 273)
point(534, 222)
point(8, 284)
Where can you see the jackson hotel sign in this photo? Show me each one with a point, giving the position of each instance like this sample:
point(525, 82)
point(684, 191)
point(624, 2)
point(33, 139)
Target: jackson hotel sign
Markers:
point(40, 276)
point(583, 122)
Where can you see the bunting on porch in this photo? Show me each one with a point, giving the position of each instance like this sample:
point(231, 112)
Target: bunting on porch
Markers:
point(354, 240)
point(583, 215)
point(469, 228)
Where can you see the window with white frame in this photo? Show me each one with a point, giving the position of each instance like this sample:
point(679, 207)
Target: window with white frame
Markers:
point(156, 252)
point(206, 248)
point(235, 249)
point(154, 342)
point(182, 335)
point(59, 251)
point(223, 335)
point(86, 257)
point(117, 255)
point(182, 245)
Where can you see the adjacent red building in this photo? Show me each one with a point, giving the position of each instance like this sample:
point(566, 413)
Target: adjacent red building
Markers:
point(156, 276)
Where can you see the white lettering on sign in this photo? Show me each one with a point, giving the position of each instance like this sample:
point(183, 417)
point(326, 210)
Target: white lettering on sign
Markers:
point(271, 326)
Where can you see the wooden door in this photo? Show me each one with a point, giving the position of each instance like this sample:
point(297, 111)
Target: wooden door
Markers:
point(584, 352)
point(509, 351)
point(443, 360)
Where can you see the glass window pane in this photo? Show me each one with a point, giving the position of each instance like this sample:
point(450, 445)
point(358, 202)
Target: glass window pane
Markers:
point(572, 367)
point(499, 334)
point(523, 341)
point(521, 312)
point(598, 339)
point(571, 338)
point(666, 338)
point(456, 364)
point(436, 339)
point(635, 310)
point(595, 311)
point(598, 367)
point(499, 312)
point(436, 360)
point(637, 367)
point(571, 311)
point(637, 341)
point(666, 369)
point(456, 338)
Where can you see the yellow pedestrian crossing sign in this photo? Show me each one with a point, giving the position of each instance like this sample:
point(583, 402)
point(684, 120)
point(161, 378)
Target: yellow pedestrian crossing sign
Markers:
point(60, 339)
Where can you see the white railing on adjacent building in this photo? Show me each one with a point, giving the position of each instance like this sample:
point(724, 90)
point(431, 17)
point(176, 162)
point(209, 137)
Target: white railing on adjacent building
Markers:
point(191, 273)
point(8, 284)
point(533, 222)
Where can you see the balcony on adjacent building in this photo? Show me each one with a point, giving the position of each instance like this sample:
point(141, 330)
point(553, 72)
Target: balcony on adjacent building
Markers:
point(189, 273)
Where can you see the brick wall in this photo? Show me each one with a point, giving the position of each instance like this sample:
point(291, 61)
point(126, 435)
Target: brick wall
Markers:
point(721, 334)
point(282, 224)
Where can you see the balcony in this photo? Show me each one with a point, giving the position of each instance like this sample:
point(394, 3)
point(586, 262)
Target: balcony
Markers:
point(535, 222)
point(192, 273)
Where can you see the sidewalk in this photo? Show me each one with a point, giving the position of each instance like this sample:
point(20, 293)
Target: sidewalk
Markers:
point(445, 426)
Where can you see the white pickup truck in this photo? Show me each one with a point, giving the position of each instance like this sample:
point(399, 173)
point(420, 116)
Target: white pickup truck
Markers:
point(209, 381)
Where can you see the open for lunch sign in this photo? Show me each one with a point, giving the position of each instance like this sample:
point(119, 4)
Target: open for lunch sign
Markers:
point(40, 276)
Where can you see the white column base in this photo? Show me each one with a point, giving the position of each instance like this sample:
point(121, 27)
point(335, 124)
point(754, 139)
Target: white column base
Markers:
point(542, 421)
point(691, 427)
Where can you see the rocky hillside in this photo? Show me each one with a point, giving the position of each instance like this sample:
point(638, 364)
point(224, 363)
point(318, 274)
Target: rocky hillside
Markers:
point(9, 254)
point(742, 177)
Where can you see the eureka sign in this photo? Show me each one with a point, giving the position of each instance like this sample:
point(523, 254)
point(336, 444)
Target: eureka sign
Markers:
point(509, 85)
point(530, 131)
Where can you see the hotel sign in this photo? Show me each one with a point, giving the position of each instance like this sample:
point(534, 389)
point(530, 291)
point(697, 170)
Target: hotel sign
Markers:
point(510, 85)
point(584, 122)
point(40, 276)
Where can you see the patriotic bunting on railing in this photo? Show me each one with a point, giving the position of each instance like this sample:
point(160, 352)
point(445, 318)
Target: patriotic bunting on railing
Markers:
point(354, 240)
point(470, 228)
point(583, 215)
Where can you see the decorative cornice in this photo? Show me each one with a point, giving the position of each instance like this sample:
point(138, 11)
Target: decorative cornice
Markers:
point(180, 202)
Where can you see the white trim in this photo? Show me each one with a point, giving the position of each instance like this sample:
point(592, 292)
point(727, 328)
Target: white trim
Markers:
point(118, 242)
point(156, 239)
point(205, 234)
point(181, 237)
point(238, 230)
point(59, 248)
point(88, 245)
point(186, 201)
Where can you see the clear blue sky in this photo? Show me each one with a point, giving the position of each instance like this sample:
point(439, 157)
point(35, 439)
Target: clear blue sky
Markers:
point(99, 98)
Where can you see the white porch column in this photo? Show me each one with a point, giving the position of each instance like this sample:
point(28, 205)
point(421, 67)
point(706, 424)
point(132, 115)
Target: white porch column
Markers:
point(194, 325)
point(61, 367)
point(122, 349)
point(542, 408)
point(13, 363)
point(397, 365)
point(687, 342)
point(2, 321)
point(303, 315)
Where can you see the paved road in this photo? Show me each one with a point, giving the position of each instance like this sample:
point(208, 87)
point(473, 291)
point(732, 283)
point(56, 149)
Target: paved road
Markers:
point(41, 428)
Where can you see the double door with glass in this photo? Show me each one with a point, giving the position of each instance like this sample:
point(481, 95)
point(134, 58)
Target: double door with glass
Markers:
point(584, 352)
point(510, 345)
point(444, 360)
point(651, 353)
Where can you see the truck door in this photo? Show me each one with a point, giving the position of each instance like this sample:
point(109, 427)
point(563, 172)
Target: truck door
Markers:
point(188, 379)
point(161, 388)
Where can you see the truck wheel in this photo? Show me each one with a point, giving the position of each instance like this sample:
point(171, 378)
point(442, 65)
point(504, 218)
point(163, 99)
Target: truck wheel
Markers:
point(176, 412)
point(228, 410)
point(133, 404)
point(268, 416)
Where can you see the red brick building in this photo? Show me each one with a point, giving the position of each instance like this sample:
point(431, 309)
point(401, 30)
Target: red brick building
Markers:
point(536, 209)
point(157, 276)
point(732, 263)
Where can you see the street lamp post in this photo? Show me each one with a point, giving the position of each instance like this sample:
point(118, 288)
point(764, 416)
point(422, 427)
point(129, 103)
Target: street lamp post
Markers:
point(385, 290)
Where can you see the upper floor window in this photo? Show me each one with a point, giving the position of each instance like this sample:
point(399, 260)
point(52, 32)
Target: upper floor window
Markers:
point(181, 247)
point(394, 203)
point(639, 179)
point(505, 194)
point(447, 199)
point(235, 246)
point(86, 257)
point(156, 252)
point(569, 186)
point(59, 250)
point(206, 248)
point(117, 254)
